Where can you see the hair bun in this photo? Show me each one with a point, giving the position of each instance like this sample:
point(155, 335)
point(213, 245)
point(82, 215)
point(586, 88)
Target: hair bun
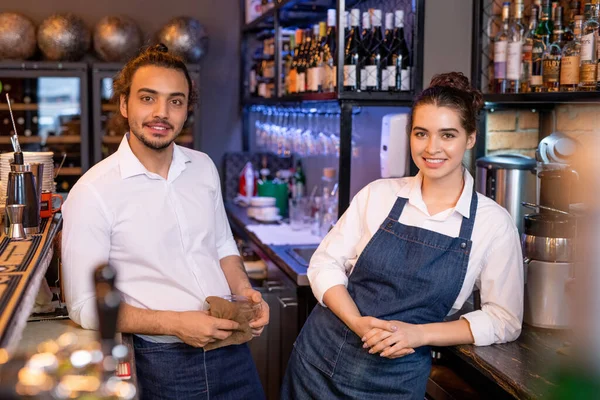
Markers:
point(160, 47)
point(458, 81)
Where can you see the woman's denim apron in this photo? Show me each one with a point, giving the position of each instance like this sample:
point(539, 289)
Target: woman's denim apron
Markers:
point(406, 274)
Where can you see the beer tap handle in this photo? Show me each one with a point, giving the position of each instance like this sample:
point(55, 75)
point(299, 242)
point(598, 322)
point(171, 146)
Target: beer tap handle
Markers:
point(108, 301)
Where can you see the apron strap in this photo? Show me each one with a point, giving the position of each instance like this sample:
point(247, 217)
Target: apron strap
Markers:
point(397, 209)
point(466, 228)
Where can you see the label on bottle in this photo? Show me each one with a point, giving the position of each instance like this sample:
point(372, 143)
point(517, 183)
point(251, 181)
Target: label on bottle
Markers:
point(328, 77)
point(252, 81)
point(262, 90)
point(371, 71)
point(405, 82)
point(293, 81)
point(536, 62)
point(569, 70)
point(385, 79)
point(551, 71)
point(588, 74)
point(526, 62)
point(302, 82)
point(527, 49)
point(588, 47)
point(500, 55)
point(350, 75)
point(314, 79)
point(391, 75)
point(513, 61)
point(536, 80)
point(363, 79)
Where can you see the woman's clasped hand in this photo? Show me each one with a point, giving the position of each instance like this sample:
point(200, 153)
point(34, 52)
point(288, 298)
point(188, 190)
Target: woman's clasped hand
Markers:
point(393, 339)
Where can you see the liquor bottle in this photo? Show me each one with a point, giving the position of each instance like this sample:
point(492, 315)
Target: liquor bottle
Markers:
point(552, 55)
point(571, 59)
point(352, 54)
point(329, 52)
point(569, 22)
point(527, 50)
point(401, 55)
point(288, 58)
point(540, 42)
point(313, 77)
point(299, 181)
point(303, 61)
point(374, 60)
point(589, 58)
point(501, 50)
point(558, 29)
point(365, 40)
point(253, 80)
point(387, 66)
point(587, 8)
point(292, 83)
point(514, 56)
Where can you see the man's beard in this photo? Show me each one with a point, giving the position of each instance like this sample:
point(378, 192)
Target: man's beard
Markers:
point(154, 145)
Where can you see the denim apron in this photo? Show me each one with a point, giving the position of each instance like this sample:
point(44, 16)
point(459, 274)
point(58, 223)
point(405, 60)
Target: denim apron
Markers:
point(406, 274)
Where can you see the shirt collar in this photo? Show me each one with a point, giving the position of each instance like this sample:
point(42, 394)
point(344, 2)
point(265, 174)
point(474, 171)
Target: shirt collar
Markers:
point(130, 165)
point(413, 193)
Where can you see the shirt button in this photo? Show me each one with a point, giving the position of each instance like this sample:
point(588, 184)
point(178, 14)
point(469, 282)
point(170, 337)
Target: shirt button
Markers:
point(463, 245)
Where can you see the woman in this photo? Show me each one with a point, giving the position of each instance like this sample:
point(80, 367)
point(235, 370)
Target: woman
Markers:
point(405, 254)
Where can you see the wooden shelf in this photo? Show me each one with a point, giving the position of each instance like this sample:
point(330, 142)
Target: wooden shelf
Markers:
point(70, 171)
point(183, 139)
point(20, 107)
point(357, 98)
point(533, 100)
point(69, 139)
point(110, 107)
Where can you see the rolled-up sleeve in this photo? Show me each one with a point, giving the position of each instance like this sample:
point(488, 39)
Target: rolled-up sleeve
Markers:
point(502, 289)
point(223, 237)
point(329, 265)
point(85, 245)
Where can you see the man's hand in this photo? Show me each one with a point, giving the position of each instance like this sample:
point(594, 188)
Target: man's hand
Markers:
point(393, 339)
point(258, 324)
point(198, 329)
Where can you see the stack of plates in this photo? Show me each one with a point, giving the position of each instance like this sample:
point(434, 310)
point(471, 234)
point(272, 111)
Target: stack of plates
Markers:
point(30, 157)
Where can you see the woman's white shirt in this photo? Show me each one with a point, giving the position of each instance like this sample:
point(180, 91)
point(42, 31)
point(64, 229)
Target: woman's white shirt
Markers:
point(495, 263)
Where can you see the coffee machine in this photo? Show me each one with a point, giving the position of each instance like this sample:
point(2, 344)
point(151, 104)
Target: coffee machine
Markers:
point(508, 179)
point(549, 243)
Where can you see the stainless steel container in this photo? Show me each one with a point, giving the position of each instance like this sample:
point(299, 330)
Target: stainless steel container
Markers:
point(509, 180)
point(546, 297)
point(549, 243)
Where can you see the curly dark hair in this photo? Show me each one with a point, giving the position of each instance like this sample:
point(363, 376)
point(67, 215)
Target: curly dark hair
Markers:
point(158, 56)
point(452, 90)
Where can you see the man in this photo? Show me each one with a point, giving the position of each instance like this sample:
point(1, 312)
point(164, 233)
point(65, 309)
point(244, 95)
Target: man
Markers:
point(154, 211)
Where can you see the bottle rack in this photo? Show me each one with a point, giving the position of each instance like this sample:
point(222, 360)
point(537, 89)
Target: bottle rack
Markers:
point(49, 102)
point(486, 22)
point(108, 133)
point(291, 14)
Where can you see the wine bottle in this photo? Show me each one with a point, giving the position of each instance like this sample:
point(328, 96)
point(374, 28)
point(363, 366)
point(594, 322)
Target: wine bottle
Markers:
point(365, 47)
point(352, 54)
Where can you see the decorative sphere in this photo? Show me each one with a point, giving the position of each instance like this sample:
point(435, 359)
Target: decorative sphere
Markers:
point(117, 38)
point(17, 37)
point(186, 37)
point(63, 37)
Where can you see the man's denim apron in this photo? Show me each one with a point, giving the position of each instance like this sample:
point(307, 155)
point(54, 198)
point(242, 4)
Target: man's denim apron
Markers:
point(406, 274)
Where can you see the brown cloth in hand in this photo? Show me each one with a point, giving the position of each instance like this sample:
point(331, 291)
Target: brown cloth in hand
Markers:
point(221, 308)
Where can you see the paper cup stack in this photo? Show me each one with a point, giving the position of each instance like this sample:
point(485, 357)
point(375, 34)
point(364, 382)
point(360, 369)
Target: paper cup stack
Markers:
point(30, 157)
point(263, 209)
